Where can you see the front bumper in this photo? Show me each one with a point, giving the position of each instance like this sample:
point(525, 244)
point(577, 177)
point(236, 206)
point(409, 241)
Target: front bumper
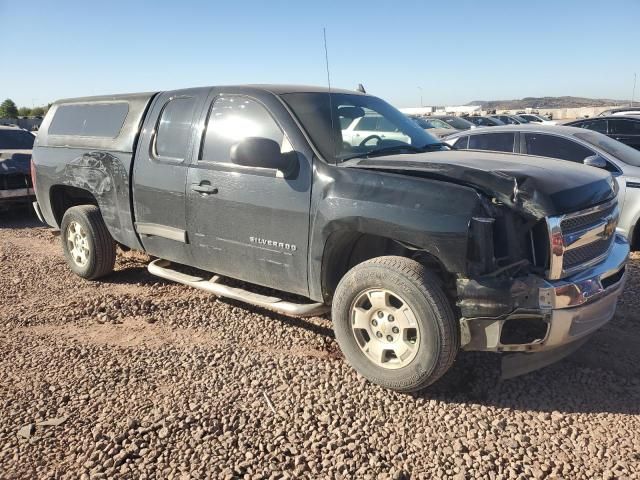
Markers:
point(569, 309)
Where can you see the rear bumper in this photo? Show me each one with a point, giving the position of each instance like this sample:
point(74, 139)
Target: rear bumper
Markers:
point(16, 194)
point(569, 310)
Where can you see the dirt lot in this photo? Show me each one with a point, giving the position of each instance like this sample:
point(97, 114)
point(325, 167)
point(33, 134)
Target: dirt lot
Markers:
point(154, 380)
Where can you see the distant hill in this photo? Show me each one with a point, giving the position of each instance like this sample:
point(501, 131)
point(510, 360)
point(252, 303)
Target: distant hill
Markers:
point(546, 102)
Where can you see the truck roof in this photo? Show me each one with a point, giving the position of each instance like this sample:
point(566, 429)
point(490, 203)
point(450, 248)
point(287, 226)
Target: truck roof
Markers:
point(276, 89)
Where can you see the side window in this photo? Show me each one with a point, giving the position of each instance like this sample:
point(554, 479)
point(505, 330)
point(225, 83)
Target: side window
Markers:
point(231, 120)
point(174, 128)
point(367, 124)
point(499, 142)
point(624, 127)
point(385, 125)
point(556, 147)
point(595, 125)
point(461, 143)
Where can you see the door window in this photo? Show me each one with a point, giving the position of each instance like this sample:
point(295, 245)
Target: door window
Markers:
point(500, 142)
point(624, 127)
point(461, 143)
point(556, 147)
point(596, 125)
point(174, 128)
point(231, 120)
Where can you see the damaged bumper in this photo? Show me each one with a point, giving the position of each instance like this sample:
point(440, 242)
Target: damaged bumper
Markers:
point(569, 310)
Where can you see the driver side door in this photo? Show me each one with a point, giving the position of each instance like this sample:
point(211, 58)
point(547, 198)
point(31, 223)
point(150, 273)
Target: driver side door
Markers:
point(244, 222)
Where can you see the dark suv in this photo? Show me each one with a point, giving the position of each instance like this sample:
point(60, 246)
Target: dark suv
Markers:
point(624, 128)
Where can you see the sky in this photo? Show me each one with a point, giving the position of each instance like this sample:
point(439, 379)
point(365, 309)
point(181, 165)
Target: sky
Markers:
point(450, 52)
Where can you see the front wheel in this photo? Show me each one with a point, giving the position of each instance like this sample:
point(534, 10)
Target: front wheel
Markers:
point(88, 246)
point(394, 323)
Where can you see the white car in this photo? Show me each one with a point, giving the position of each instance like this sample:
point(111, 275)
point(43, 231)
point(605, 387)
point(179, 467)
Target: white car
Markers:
point(370, 129)
point(537, 119)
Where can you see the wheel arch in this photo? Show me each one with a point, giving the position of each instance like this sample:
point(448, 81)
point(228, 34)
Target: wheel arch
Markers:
point(344, 249)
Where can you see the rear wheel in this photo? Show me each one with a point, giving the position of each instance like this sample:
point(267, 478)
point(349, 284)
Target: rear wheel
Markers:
point(88, 246)
point(394, 323)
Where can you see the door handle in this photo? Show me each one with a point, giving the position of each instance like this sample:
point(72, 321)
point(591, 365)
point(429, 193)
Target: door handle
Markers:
point(204, 188)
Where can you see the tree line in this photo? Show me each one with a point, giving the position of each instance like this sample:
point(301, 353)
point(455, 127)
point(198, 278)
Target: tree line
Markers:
point(9, 109)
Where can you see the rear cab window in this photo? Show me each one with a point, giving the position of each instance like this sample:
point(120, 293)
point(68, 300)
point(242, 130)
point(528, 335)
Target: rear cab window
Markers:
point(174, 128)
point(89, 120)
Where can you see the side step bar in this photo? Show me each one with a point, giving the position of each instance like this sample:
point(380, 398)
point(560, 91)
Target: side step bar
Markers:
point(162, 268)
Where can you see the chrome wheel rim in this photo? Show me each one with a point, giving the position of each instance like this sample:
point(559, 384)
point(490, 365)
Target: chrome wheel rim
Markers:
point(385, 328)
point(77, 244)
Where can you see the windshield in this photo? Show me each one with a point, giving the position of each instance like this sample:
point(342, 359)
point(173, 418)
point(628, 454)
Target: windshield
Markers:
point(619, 150)
point(373, 124)
point(16, 140)
point(421, 122)
point(459, 123)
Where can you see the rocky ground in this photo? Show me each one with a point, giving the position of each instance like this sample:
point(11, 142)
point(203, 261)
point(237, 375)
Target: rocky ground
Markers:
point(135, 377)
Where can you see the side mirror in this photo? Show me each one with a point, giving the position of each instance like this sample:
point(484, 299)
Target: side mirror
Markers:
point(263, 153)
point(595, 161)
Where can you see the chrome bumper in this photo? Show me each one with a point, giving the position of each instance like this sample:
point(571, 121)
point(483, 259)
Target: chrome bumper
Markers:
point(588, 285)
point(572, 308)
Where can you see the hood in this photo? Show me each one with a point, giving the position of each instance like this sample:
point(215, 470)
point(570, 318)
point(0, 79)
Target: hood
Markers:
point(15, 161)
point(535, 186)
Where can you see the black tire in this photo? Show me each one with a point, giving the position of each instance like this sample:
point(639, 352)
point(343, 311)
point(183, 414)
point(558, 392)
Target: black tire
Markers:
point(420, 289)
point(101, 254)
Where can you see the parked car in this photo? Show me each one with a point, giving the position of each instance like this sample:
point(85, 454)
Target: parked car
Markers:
point(418, 250)
point(434, 126)
point(16, 145)
point(510, 119)
point(620, 111)
point(576, 145)
point(484, 121)
point(370, 129)
point(625, 129)
point(458, 123)
point(532, 118)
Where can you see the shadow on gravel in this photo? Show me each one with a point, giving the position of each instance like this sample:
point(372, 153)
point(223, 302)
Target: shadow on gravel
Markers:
point(572, 385)
point(133, 276)
point(19, 217)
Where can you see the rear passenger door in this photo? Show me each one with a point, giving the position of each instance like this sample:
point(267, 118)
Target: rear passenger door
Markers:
point(160, 173)
point(246, 222)
point(626, 131)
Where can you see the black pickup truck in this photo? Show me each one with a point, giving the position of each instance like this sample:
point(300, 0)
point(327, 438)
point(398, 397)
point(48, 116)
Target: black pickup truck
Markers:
point(418, 250)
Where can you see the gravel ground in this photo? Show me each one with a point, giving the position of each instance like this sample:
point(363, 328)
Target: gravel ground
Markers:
point(142, 378)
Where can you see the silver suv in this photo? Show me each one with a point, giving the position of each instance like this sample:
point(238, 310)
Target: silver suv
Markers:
point(573, 144)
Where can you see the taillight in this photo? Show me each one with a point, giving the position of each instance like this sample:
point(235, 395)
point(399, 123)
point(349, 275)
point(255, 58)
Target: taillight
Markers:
point(33, 173)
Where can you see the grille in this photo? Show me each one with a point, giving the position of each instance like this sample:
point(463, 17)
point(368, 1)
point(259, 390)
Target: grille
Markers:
point(568, 235)
point(573, 258)
point(574, 224)
point(14, 180)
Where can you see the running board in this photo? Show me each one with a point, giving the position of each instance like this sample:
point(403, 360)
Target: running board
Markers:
point(162, 268)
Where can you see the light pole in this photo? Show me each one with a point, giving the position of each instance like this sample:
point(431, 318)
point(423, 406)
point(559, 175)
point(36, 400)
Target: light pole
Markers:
point(420, 88)
point(633, 94)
